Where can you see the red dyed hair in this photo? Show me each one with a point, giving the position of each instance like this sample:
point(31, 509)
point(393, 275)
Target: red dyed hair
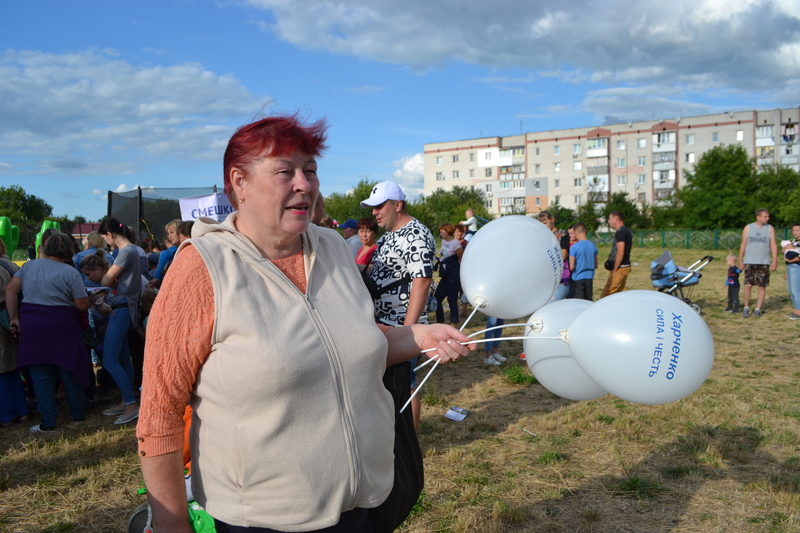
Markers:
point(277, 136)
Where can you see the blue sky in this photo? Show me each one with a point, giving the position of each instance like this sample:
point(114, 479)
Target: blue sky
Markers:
point(98, 96)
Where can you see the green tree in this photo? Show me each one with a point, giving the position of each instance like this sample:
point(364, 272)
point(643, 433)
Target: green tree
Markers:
point(720, 191)
point(343, 206)
point(589, 213)
point(619, 201)
point(565, 217)
point(17, 205)
point(789, 211)
point(775, 187)
point(448, 206)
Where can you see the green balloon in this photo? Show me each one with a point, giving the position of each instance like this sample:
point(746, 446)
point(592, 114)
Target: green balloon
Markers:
point(46, 225)
point(10, 235)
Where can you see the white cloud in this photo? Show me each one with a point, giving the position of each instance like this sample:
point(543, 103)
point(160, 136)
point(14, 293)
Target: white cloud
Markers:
point(93, 113)
point(747, 45)
point(409, 175)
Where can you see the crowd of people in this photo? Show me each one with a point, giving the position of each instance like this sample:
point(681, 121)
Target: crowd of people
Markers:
point(97, 302)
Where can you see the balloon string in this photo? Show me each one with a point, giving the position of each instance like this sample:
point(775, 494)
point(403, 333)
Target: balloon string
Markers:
point(469, 318)
point(495, 327)
point(416, 390)
point(481, 341)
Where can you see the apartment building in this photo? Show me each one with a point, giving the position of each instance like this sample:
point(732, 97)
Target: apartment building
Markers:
point(648, 159)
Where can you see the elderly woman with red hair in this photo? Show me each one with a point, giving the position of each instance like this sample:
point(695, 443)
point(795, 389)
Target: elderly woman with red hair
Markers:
point(266, 329)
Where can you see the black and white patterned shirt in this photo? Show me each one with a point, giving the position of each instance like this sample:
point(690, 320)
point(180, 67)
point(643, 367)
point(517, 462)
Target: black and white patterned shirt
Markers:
point(409, 250)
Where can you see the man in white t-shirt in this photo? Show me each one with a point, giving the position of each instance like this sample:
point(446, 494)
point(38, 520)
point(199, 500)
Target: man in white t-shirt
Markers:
point(406, 251)
point(350, 233)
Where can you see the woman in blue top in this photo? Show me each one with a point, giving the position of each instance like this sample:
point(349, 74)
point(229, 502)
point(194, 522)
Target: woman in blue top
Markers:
point(125, 276)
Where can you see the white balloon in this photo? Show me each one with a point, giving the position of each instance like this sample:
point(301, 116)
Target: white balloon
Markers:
point(643, 346)
point(511, 267)
point(550, 359)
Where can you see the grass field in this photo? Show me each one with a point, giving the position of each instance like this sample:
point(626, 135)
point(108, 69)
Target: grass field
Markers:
point(724, 459)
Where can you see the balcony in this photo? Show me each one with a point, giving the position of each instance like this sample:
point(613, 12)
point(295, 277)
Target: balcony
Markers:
point(597, 171)
point(765, 141)
point(789, 160)
point(664, 147)
point(597, 152)
point(664, 165)
point(664, 184)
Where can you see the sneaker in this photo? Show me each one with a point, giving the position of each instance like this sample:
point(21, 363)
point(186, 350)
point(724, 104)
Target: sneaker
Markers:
point(794, 316)
point(80, 423)
point(491, 361)
point(124, 419)
point(757, 313)
point(499, 357)
point(522, 356)
point(729, 310)
point(39, 429)
point(114, 411)
point(746, 312)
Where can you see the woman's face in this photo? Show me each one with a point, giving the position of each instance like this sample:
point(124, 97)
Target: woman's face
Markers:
point(85, 243)
point(94, 275)
point(367, 236)
point(279, 193)
point(796, 232)
point(459, 234)
point(172, 235)
point(109, 238)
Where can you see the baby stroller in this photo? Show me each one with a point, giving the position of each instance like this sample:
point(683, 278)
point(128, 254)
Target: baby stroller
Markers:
point(669, 278)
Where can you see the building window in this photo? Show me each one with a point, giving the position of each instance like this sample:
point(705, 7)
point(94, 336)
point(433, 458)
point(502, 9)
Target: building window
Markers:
point(556, 150)
point(642, 160)
point(557, 184)
point(577, 165)
point(439, 160)
point(488, 187)
point(715, 137)
point(690, 138)
point(621, 145)
point(506, 201)
point(455, 159)
point(439, 176)
point(578, 199)
point(538, 202)
point(488, 203)
point(596, 143)
point(642, 197)
point(558, 167)
point(642, 143)
point(519, 184)
point(519, 201)
point(487, 156)
point(537, 168)
point(576, 148)
point(517, 152)
point(690, 157)
point(472, 173)
point(664, 137)
point(488, 173)
point(455, 174)
point(764, 131)
point(471, 157)
point(620, 162)
point(620, 180)
point(739, 135)
point(505, 184)
point(642, 178)
point(579, 182)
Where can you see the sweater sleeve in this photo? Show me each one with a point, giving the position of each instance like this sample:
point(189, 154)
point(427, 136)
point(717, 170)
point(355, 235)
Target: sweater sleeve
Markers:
point(178, 343)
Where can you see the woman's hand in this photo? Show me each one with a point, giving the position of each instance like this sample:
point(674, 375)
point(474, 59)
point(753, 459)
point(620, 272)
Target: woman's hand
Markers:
point(443, 340)
point(14, 325)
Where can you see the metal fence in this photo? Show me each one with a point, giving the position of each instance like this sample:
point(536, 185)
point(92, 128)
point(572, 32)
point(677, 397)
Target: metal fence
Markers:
point(687, 239)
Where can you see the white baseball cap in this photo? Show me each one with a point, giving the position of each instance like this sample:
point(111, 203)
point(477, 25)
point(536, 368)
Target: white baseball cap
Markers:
point(385, 190)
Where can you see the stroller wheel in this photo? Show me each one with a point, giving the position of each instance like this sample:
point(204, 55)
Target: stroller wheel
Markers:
point(695, 307)
point(138, 520)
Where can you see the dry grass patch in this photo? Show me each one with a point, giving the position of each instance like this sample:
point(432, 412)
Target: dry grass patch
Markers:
point(724, 459)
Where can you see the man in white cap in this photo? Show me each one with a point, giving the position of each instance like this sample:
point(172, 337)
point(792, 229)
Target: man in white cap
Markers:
point(404, 259)
point(350, 233)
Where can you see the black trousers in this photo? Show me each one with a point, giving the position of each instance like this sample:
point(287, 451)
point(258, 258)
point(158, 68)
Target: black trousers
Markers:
point(582, 288)
point(355, 521)
point(733, 297)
